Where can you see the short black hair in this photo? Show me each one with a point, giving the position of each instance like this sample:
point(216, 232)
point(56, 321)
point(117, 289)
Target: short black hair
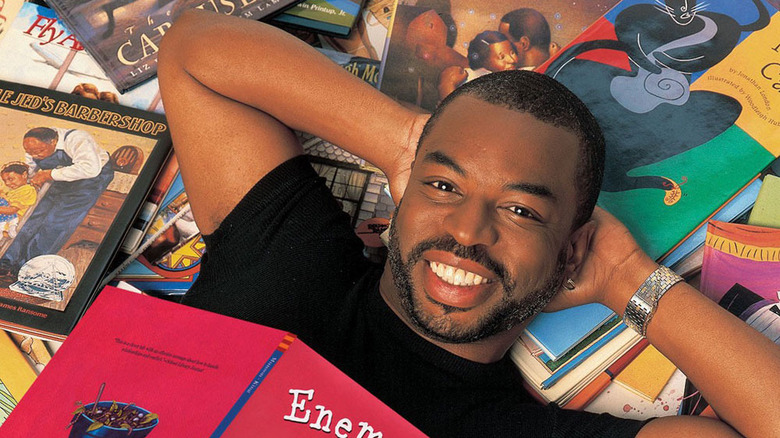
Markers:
point(548, 101)
point(46, 135)
point(15, 167)
point(479, 47)
point(530, 23)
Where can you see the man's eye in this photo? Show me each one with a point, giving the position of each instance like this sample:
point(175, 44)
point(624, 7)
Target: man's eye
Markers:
point(443, 186)
point(522, 211)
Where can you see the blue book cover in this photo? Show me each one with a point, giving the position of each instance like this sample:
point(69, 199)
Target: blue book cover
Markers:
point(557, 332)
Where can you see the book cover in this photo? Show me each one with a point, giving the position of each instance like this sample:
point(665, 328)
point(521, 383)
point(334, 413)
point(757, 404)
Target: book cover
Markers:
point(647, 374)
point(759, 312)
point(8, 10)
point(425, 41)
point(684, 100)
point(744, 254)
point(172, 261)
point(189, 372)
point(558, 332)
point(76, 171)
point(151, 206)
point(766, 211)
point(40, 50)
point(330, 17)
point(123, 35)
point(16, 375)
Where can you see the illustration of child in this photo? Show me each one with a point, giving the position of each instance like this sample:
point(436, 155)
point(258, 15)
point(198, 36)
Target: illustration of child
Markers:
point(19, 198)
point(488, 52)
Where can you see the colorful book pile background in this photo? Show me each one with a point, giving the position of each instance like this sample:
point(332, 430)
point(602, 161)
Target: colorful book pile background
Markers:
point(680, 167)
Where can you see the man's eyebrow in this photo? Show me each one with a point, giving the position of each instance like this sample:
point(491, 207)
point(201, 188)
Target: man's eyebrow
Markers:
point(443, 159)
point(540, 190)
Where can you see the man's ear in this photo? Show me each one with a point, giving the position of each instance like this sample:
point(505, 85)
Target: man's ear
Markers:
point(523, 44)
point(578, 247)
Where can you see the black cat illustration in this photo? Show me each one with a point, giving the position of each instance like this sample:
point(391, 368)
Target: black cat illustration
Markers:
point(649, 113)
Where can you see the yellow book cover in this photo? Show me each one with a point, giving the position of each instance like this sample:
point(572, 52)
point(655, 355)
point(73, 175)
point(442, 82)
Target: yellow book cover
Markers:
point(15, 373)
point(647, 375)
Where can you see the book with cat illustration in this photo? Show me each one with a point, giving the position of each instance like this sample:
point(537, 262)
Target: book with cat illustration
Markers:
point(124, 35)
point(434, 47)
point(188, 372)
point(75, 173)
point(685, 93)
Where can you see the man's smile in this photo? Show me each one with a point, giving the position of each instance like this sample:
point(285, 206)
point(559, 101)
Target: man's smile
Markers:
point(456, 282)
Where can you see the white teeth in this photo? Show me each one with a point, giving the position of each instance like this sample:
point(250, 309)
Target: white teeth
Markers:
point(456, 276)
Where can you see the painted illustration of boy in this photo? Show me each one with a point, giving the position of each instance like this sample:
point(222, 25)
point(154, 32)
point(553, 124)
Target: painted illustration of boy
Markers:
point(20, 197)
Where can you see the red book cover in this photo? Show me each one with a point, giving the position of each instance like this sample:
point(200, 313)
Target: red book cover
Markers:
point(163, 369)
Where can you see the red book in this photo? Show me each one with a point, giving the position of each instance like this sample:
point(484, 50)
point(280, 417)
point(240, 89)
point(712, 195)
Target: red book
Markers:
point(171, 370)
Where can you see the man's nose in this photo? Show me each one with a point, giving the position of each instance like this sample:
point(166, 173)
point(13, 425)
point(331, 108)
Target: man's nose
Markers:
point(471, 223)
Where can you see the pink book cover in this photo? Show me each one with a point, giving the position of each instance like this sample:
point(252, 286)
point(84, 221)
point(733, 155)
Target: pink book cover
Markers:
point(744, 254)
point(162, 369)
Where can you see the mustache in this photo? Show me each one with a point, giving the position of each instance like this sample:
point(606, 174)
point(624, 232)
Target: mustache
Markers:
point(476, 253)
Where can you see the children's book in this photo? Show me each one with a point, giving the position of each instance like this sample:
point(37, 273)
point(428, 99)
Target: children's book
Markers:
point(567, 380)
point(647, 374)
point(434, 49)
point(124, 35)
point(370, 33)
point(744, 254)
point(129, 356)
point(686, 101)
point(151, 206)
point(40, 50)
point(172, 261)
point(761, 313)
point(8, 10)
point(558, 332)
point(766, 212)
point(76, 172)
point(16, 376)
point(329, 17)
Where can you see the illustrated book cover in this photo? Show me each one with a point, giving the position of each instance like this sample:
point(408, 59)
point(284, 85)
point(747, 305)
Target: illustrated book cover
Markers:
point(124, 35)
point(329, 17)
point(686, 100)
point(434, 49)
point(75, 172)
point(16, 376)
point(182, 371)
point(40, 50)
point(741, 272)
point(172, 261)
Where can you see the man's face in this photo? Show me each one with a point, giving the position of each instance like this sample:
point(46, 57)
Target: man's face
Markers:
point(38, 149)
point(13, 180)
point(481, 237)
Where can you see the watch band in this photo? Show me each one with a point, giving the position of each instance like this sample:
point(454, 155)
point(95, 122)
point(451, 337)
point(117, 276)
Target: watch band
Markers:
point(643, 304)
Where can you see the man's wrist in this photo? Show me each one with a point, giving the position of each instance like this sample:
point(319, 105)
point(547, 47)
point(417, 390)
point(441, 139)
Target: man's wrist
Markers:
point(625, 281)
point(644, 302)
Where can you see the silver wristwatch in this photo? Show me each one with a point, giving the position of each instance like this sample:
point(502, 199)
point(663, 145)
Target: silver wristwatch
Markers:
point(642, 305)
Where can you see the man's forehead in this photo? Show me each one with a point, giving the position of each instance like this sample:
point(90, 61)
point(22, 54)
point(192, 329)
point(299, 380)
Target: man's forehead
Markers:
point(467, 115)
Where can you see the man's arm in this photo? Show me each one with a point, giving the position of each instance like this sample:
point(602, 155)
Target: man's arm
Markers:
point(736, 368)
point(232, 87)
point(85, 154)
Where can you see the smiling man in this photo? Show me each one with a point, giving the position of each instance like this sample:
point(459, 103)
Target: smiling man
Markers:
point(494, 224)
